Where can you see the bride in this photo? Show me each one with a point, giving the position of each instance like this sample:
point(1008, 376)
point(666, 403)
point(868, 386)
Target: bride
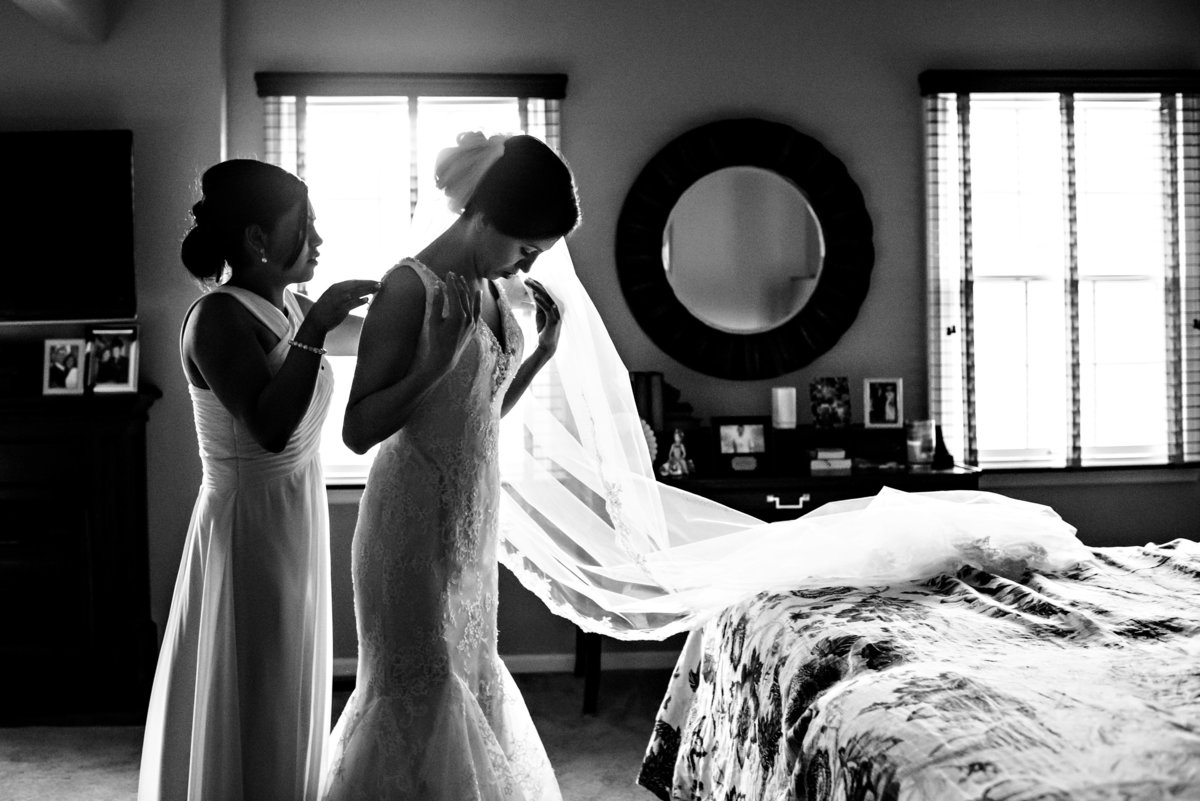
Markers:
point(435, 714)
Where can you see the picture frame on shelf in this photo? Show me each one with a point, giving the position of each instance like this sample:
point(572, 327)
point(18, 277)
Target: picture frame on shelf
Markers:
point(63, 366)
point(113, 359)
point(883, 403)
point(830, 399)
point(742, 443)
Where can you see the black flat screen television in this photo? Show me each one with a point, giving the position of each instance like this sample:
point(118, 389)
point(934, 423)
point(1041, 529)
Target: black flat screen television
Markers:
point(66, 226)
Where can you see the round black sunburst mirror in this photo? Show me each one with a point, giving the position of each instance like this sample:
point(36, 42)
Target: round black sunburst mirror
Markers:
point(830, 291)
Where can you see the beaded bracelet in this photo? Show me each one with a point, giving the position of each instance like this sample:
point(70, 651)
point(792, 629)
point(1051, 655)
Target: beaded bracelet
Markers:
point(309, 348)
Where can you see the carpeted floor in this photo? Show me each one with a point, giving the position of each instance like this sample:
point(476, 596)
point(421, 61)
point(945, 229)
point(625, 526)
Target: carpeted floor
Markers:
point(596, 756)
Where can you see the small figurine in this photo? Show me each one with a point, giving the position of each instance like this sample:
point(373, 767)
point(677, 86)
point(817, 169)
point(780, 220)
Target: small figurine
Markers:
point(678, 464)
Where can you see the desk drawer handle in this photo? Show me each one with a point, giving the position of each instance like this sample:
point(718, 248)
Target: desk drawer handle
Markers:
point(798, 505)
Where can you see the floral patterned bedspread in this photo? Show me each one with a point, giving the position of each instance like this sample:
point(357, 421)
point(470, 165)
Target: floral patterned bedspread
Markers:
point(1078, 685)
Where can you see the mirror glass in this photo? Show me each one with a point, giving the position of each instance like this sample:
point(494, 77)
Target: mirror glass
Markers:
point(742, 249)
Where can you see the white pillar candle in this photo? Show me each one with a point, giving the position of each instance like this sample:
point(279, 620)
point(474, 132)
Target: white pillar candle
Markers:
point(783, 407)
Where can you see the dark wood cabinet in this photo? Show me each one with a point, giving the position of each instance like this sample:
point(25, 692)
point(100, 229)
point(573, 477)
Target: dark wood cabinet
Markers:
point(785, 497)
point(77, 643)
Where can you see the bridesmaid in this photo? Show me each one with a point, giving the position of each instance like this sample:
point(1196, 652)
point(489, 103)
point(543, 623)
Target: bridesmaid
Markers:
point(240, 706)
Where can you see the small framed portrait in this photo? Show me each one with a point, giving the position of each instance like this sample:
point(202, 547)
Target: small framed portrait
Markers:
point(742, 443)
point(830, 398)
point(883, 402)
point(113, 359)
point(62, 366)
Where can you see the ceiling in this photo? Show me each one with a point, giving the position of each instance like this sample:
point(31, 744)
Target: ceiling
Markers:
point(75, 20)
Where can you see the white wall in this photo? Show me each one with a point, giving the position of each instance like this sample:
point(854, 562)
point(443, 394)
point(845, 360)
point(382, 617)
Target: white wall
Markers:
point(844, 71)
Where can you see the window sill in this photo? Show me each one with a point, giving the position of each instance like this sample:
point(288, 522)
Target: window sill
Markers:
point(1004, 477)
point(344, 493)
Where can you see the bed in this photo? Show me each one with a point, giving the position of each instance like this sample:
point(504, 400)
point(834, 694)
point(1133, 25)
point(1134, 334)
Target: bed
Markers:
point(1080, 684)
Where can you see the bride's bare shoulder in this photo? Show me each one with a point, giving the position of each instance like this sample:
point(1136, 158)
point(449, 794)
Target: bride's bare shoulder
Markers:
point(401, 295)
point(403, 279)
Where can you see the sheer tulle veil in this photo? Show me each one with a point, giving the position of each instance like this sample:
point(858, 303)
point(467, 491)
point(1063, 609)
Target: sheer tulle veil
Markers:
point(587, 527)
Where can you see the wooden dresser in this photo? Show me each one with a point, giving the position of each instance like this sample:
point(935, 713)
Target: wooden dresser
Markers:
point(77, 643)
point(784, 497)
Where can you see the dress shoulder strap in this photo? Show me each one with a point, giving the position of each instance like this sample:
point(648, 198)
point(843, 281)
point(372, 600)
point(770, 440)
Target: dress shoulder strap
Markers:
point(427, 276)
point(295, 312)
point(263, 310)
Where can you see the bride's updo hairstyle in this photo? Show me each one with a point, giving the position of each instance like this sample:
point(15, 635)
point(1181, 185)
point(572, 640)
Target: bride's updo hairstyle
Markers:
point(518, 183)
point(235, 195)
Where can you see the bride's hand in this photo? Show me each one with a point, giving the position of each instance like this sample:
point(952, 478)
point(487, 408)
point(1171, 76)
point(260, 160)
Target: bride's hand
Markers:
point(549, 316)
point(452, 328)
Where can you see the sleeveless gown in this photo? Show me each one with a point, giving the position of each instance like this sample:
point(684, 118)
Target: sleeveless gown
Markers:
point(435, 714)
point(240, 705)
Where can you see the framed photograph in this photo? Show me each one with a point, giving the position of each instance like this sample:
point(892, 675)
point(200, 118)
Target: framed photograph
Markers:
point(62, 366)
point(742, 443)
point(830, 398)
point(113, 359)
point(883, 402)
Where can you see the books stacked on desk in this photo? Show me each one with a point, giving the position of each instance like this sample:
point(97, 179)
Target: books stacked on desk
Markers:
point(829, 462)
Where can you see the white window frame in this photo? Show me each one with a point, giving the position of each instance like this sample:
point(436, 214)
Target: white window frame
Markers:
point(954, 286)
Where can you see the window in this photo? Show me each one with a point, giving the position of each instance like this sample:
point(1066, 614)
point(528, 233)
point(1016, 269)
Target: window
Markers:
point(366, 144)
point(1063, 258)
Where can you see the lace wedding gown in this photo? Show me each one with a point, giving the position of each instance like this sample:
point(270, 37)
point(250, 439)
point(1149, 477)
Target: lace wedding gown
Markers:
point(241, 699)
point(435, 713)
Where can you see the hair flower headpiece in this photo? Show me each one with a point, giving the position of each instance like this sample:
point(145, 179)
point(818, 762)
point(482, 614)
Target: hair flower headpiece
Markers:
point(459, 169)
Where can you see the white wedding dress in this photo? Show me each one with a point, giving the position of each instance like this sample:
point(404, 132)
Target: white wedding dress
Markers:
point(434, 713)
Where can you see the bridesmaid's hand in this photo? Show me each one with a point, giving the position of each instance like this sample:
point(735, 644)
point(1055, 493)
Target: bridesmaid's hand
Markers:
point(452, 328)
point(336, 303)
point(548, 318)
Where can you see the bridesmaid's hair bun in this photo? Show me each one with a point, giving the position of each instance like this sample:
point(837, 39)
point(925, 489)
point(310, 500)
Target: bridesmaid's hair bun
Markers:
point(202, 255)
point(237, 194)
point(199, 211)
